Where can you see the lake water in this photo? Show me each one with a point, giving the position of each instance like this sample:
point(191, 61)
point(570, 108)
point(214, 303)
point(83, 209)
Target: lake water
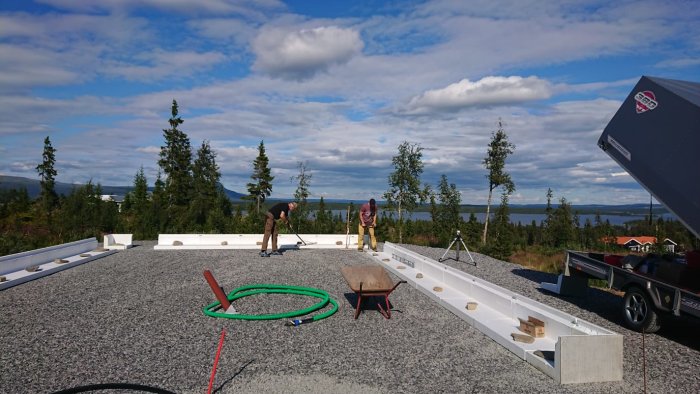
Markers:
point(527, 218)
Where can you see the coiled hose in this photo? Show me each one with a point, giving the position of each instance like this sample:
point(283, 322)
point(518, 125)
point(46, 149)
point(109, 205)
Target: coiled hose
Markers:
point(248, 290)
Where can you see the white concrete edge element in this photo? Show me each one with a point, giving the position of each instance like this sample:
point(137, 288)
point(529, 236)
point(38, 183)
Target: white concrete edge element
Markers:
point(117, 241)
point(583, 351)
point(253, 241)
point(13, 267)
point(567, 285)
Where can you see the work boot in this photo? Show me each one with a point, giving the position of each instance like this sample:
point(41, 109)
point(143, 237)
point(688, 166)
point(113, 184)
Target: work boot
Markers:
point(264, 253)
point(275, 253)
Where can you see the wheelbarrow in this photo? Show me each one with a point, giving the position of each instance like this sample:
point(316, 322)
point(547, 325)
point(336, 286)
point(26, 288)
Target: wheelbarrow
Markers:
point(370, 281)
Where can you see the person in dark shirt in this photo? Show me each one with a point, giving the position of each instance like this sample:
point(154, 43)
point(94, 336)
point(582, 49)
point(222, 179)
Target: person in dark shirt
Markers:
point(277, 212)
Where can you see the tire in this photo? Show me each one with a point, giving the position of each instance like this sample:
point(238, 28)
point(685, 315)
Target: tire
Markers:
point(638, 312)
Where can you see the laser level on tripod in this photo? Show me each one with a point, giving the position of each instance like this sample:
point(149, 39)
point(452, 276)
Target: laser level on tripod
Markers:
point(457, 240)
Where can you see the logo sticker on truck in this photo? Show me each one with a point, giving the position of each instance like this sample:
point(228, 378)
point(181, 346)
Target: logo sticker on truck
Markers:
point(646, 101)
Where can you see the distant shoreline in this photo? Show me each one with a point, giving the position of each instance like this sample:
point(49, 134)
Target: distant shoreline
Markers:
point(33, 187)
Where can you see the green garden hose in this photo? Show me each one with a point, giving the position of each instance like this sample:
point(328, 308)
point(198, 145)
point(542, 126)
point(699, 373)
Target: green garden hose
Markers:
point(249, 290)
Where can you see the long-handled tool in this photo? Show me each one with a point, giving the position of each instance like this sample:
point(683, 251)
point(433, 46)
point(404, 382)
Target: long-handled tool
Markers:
point(347, 229)
point(295, 233)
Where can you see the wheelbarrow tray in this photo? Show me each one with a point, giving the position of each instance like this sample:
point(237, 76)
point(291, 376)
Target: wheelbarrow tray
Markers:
point(367, 281)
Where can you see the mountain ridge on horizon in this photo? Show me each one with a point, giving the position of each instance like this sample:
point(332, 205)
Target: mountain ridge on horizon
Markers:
point(8, 182)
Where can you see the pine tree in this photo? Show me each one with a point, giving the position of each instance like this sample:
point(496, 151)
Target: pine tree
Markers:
point(562, 226)
point(473, 233)
point(405, 192)
point(84, 214)
point(176, 162)
point(449, 218)
point(494, 162)
point(261, 186)
point(139, 196)
point(48, 199)
point(547, 228)
point(139, 206)
point(205, 179)
point(500, 243)
point(324, 219)
point(301, 195)
point(158, 215)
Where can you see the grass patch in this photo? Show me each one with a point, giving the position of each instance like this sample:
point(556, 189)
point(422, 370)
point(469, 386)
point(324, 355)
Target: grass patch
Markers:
point(540, 260)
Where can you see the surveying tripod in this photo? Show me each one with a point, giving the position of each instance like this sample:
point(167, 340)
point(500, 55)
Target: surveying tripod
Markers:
point(457, 238)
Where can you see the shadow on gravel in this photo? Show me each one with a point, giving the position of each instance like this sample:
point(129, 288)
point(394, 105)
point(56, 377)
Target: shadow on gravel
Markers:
point(682, 330)
point(535, 276)
point(602, 303)
point(369, 303)
point(227, 381)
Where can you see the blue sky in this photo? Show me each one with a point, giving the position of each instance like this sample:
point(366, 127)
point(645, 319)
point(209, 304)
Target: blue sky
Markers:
point(337, 85)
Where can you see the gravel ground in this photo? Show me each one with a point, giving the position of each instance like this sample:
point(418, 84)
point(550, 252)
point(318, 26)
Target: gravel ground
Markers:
point(135, 317)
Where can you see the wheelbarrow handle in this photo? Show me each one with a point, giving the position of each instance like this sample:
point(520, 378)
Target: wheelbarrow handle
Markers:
point(397, 284)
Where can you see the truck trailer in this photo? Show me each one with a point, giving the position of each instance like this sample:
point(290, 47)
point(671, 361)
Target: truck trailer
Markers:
point(655, 137)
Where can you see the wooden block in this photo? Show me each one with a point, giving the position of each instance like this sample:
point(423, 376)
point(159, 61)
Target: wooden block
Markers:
point(177, 243)
point(437, 289)
point(224, 243)
point(419, 275)
point(259, 243)
point(60, 261)
point(532, 326)
point(85, 255)
point(535, 321)
point(522, 338)
point(338, 242)
point(471, 306)
point(32, 268)
point(2, 279)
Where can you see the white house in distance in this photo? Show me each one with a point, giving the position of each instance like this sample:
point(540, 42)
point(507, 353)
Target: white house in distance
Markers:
point(113, 197)
point(644, 243)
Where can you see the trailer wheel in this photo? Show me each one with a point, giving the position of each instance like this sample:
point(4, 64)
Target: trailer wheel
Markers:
point(638, 311)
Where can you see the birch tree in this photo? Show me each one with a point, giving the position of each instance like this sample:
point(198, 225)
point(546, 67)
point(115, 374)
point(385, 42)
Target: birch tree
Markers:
point(494, 162)
point(405, 191)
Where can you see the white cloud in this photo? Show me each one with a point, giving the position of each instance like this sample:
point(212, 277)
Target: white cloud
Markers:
point(21, 67)
point(488, 91)
point(324, 90)
point(303, 53)
point(230, 29)
point(160, 64)
point(249, 9)
point(679, 62)
point(149, 149)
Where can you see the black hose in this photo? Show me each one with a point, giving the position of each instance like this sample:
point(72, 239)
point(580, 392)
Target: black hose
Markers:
point(113, 386)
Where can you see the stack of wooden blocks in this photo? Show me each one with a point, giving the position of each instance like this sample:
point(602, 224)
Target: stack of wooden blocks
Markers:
point(532, 327)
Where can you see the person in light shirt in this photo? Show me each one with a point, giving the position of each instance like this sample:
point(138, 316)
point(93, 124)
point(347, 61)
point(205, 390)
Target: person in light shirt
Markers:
point(368, 221)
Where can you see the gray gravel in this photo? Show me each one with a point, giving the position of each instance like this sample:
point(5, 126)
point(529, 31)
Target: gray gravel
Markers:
point(136, 317)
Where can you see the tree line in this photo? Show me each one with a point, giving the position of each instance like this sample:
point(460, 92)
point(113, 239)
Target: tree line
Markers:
point(187, 197)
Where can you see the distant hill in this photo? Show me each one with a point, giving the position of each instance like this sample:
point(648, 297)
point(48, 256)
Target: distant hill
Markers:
point(34, 187)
